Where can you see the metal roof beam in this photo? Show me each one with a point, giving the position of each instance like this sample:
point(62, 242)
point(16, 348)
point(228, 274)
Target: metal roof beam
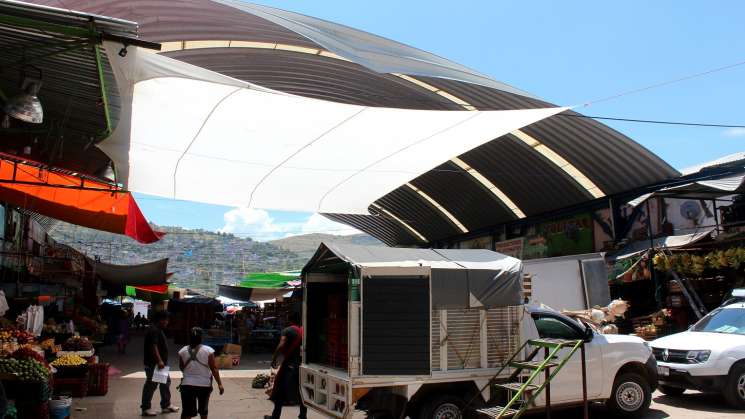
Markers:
point(561, 163)
point(439, 207)
point(400, 221)
point(501, 196)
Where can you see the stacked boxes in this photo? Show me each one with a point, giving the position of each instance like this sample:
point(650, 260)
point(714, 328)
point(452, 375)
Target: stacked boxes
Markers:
point(336, 331)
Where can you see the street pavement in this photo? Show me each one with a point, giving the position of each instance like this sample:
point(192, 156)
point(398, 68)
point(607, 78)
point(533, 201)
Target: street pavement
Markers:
point(241, 401)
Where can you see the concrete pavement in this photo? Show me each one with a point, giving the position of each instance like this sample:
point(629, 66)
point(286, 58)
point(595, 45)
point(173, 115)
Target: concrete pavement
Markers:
point(241, 401)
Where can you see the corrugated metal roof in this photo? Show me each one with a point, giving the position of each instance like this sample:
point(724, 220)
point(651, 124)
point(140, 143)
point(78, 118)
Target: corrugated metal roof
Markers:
point(60, 44)
point(455, 190)
point(407, 205)
point(385, 229)
point(314, 76)
point(185, 20)
point(572, 160)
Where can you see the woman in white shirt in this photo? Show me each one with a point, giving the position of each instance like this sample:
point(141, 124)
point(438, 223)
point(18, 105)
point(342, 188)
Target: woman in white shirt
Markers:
point(197, 362)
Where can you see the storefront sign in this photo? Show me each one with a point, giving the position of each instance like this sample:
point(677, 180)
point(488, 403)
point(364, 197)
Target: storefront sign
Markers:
point(512, 247)
point(477, 243)
point(569, 236)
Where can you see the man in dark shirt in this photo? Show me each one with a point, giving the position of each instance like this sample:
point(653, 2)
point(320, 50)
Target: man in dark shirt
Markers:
point(286, 388)
point(156, 356)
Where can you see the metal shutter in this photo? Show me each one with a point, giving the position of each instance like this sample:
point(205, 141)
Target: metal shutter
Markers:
point(395, 326)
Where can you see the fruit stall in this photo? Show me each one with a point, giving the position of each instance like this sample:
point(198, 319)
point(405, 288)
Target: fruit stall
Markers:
point(39, 376)
point(670, 289)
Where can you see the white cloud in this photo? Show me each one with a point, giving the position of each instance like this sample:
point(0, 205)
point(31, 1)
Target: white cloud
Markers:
point(734, 132)
point(255, 223)
point(261, 225)
point(317, 223)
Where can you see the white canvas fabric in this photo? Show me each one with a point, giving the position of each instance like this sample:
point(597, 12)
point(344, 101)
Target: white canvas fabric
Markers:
point(191, 134)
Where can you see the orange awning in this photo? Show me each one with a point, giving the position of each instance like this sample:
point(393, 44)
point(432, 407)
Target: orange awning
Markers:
point(72, 198)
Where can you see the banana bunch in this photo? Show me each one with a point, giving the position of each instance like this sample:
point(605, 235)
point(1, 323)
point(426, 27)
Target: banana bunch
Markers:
point(69, 361)
point(698, 264)
point(662, 262)
point(735, 256)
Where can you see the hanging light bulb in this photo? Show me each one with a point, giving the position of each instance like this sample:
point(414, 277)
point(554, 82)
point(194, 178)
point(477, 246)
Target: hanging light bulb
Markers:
point(106, 172)
point(26, 105)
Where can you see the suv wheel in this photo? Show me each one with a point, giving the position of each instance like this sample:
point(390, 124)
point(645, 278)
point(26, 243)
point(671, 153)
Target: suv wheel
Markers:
point(734, 391)
point(442, 407)
point(671, 391)
point(631, 395)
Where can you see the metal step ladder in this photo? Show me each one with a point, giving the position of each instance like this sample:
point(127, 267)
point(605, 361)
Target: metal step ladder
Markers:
point(523, 387)
point(691, 295)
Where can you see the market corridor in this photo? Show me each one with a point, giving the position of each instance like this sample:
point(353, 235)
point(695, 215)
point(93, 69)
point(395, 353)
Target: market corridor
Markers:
point(125, 385)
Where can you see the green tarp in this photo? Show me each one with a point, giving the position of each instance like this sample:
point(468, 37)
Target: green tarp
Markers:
point(269, 280)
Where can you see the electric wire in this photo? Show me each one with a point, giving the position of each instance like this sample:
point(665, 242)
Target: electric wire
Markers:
point(652, 121)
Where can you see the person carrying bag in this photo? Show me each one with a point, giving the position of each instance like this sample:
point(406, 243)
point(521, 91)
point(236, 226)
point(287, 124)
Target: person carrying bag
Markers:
point(197, 362)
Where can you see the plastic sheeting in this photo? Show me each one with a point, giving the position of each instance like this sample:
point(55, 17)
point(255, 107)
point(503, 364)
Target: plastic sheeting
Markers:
point(459, 278)
point(253, 294)
point(151, 273)
point(188, 133)
point(74, 199)
point(667, 242)
point(701, 189)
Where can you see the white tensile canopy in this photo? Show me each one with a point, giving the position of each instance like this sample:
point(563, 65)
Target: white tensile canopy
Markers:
point(191, 134)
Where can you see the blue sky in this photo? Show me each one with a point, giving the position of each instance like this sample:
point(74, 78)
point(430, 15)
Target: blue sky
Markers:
point(566, 52)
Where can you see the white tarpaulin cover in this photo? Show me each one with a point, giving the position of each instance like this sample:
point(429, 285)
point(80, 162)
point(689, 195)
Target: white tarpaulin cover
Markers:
point(459, 278)
point(192, 134)
point(701, 189)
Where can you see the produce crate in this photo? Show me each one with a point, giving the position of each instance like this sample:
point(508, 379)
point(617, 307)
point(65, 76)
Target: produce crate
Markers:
point(77, 371)
point(34, 411)
point(27, 392)
point(98, 379)
point(224, 361)
point(75, 387)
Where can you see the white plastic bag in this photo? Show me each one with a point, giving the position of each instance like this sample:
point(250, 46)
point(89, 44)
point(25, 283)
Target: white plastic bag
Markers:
point(161, 375)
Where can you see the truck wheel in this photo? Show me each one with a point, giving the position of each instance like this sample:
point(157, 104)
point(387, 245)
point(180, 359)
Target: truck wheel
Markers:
point(734, 391)
point(671, 391)
point(442, 407)
point(631, 395)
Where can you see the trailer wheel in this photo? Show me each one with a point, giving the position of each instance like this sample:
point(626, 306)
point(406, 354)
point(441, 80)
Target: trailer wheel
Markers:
point(631, 395)
point(442, 407)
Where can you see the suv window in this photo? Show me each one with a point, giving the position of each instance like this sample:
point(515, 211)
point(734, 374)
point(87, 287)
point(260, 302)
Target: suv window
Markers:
point(550, 327)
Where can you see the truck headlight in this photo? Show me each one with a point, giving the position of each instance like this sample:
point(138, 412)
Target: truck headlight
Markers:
point(697, 357)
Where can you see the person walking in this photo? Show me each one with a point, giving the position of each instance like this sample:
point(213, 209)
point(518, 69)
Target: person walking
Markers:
point(156, 355)
point(286, 388)
point(123, 331)
point(197, 362)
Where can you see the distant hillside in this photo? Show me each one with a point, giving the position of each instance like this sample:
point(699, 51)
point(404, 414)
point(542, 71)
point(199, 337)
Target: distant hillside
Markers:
point(201, 259)
point(306, 244)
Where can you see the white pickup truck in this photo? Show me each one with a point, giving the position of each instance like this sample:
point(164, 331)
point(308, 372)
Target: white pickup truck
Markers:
point(422, 333)
point(709, 357)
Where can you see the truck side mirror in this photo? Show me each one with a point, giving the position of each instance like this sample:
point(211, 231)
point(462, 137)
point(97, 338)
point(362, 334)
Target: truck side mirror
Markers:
point(589, 335)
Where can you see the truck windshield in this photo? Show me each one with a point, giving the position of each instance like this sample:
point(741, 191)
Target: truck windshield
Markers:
point(728, 320)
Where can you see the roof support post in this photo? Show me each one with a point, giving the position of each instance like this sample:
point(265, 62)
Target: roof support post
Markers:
point(104, 93)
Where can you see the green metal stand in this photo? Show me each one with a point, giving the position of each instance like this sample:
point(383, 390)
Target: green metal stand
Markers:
point(524, 393)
